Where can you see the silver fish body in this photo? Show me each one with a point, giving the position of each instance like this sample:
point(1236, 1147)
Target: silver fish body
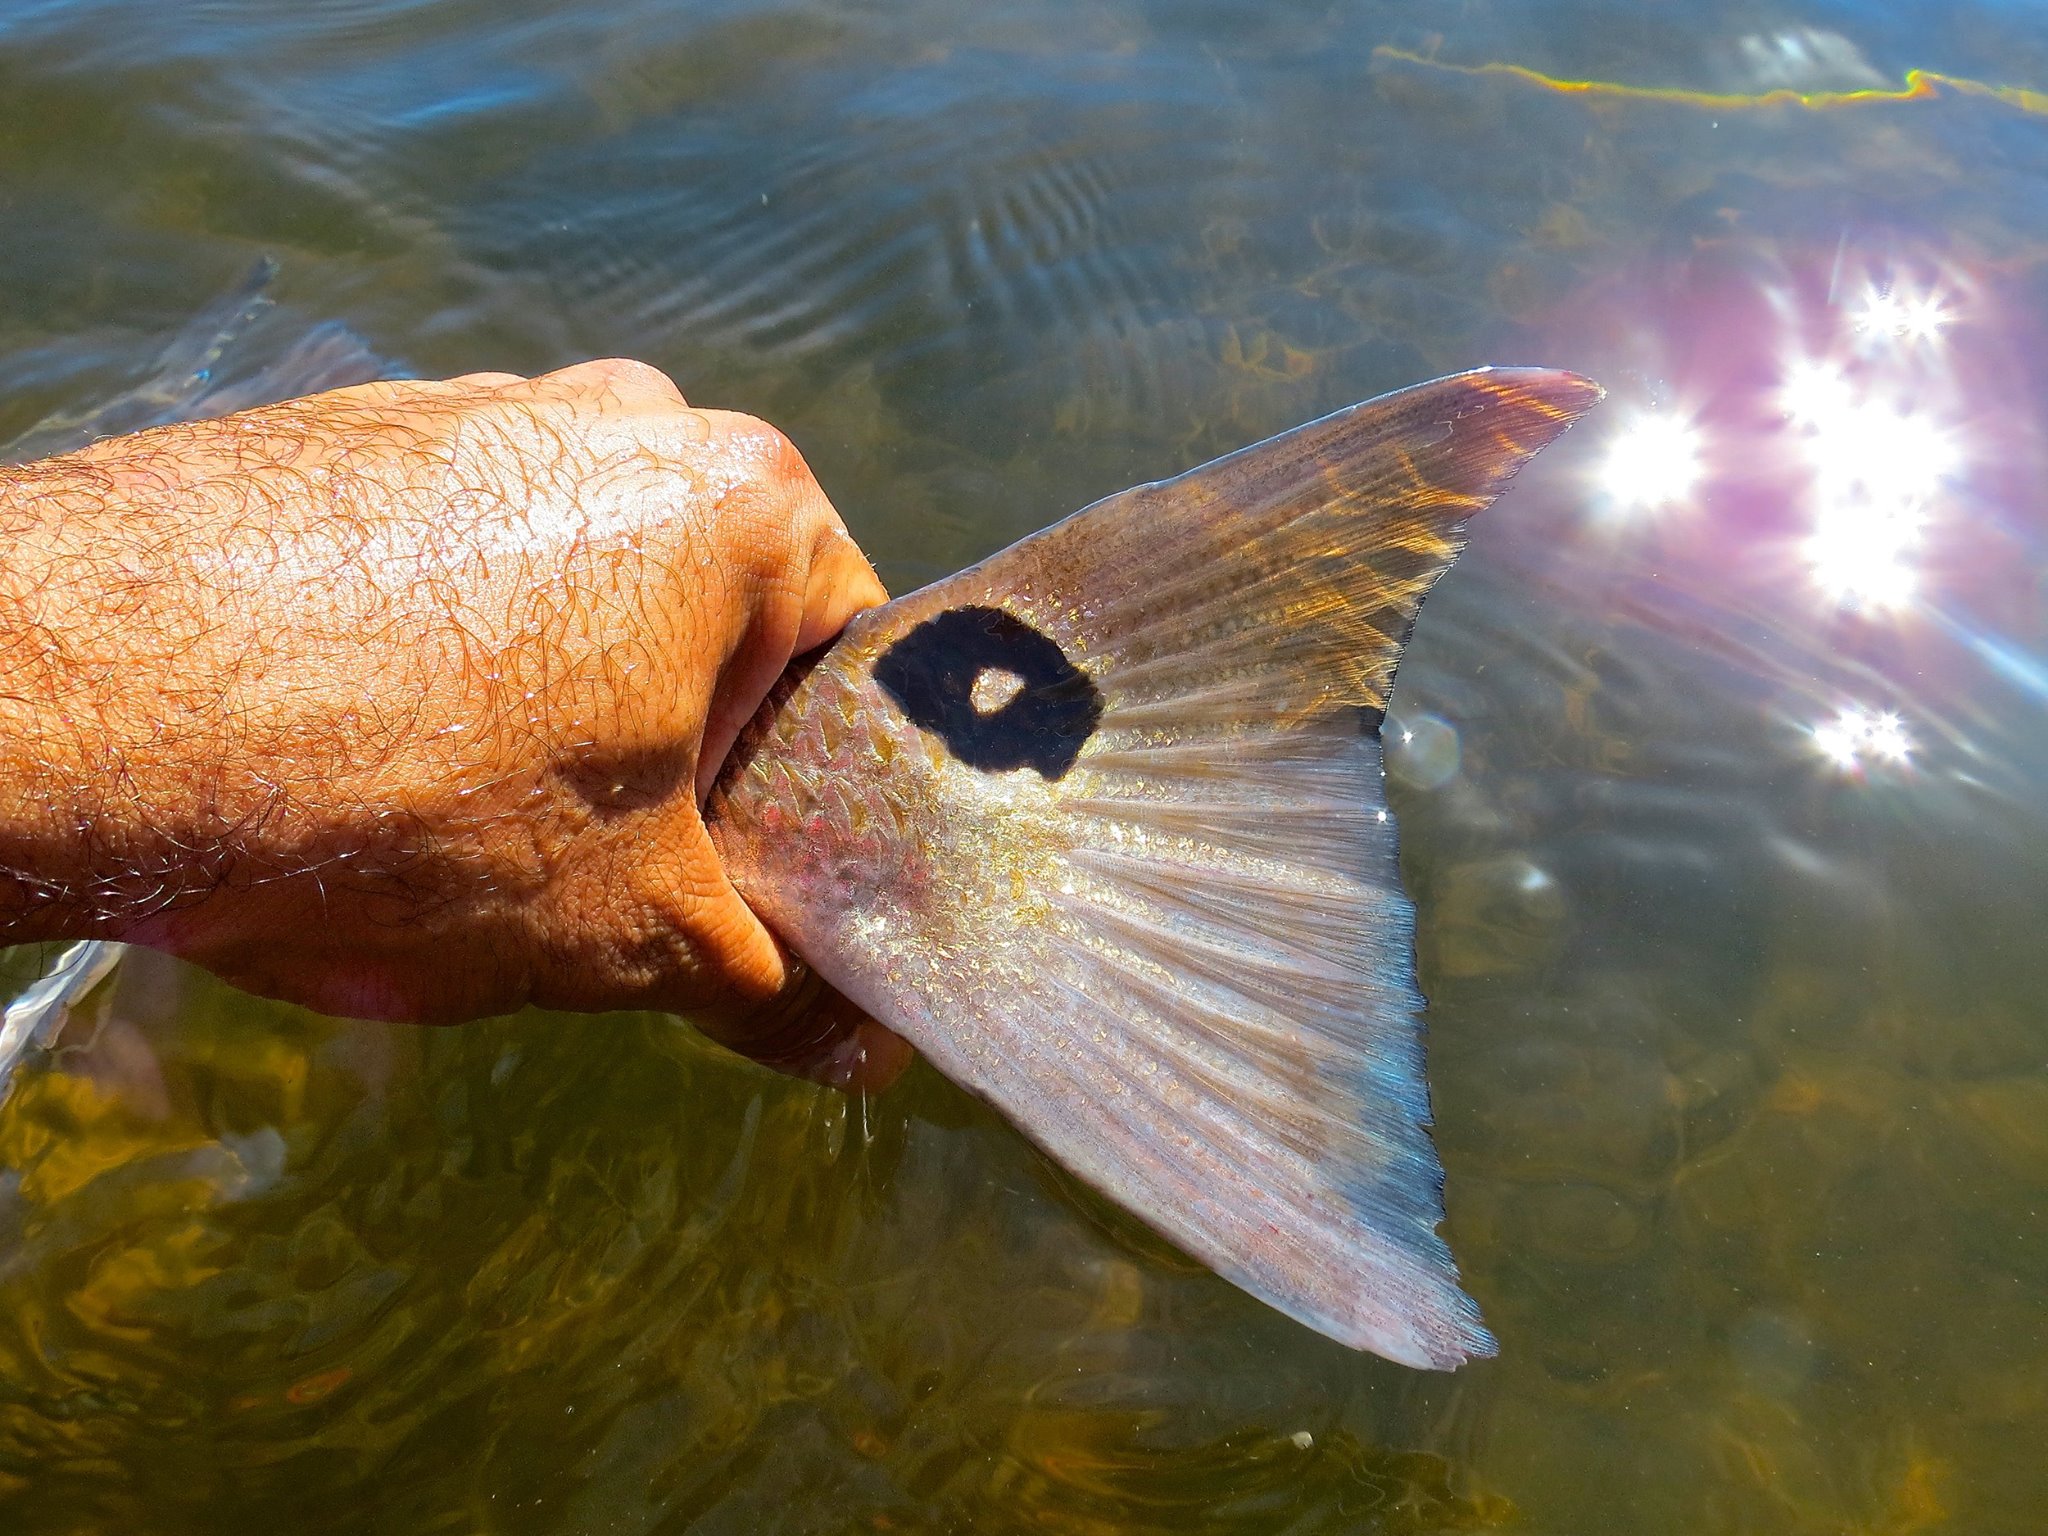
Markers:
point(1099, 825)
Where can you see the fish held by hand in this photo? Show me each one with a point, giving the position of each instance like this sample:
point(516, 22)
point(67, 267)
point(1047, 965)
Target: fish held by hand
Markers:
point(1099, 825)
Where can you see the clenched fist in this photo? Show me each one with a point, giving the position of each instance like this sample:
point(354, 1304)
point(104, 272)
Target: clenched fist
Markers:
point(401, 701)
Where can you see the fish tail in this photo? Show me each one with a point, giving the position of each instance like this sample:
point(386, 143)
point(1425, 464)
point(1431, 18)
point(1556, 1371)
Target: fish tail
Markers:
point(1221, 1025)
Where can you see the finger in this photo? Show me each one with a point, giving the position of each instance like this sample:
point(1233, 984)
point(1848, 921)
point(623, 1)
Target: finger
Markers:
point(818, 1034)
point(738, 969)
point(839, 584)
point(864, 1056)
point(803, 1026)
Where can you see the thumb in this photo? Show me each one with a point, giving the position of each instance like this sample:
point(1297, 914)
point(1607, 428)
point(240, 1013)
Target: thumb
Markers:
point(746, 990)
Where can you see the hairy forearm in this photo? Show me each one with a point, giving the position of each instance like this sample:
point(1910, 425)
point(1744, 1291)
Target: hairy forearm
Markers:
point(94, 623)
point(183, 700)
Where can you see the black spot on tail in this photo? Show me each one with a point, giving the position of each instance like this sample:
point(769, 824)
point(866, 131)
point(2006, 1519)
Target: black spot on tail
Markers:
point(931, 672)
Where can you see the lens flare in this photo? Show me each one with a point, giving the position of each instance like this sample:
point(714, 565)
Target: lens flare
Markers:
point(1813, 393)
point(1877, 469)
point(1881, 452)
point(1865, 562)
point(1858, 738)
point(1655, 462)
point(1903, 316)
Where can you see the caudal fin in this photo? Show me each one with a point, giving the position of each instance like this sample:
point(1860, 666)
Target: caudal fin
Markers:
point(1173, 944)
point(1240, 1004)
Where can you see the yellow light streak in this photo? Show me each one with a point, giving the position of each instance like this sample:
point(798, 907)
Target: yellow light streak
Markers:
point(1919, 85)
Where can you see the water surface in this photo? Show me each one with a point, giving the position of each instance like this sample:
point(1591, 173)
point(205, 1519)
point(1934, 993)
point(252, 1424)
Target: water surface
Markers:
point(1722, 790)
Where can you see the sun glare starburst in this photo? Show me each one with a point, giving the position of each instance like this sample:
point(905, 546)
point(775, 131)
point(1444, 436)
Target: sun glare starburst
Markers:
point(1877, 469)
point(1901, 315)
point(1858, 738)
point(1880, 451)
point(1814, 393)
point(1655, 462)
point(1864, 562)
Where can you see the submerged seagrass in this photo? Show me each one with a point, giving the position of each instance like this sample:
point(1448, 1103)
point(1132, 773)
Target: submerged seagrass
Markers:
point(1099, 825)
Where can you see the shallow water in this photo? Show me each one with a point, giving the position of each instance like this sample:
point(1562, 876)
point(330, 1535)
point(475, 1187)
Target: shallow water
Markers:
point(1723, 797)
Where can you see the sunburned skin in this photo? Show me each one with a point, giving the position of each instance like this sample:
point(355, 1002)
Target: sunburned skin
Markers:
point(400, 701)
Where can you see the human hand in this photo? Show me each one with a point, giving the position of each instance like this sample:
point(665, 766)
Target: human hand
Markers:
point(401, 701)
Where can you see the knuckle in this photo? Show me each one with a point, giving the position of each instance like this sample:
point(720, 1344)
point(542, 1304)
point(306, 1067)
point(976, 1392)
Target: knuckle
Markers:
point(622, 378)
point(762, 449)
point(627, 373)
point(485, 380)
